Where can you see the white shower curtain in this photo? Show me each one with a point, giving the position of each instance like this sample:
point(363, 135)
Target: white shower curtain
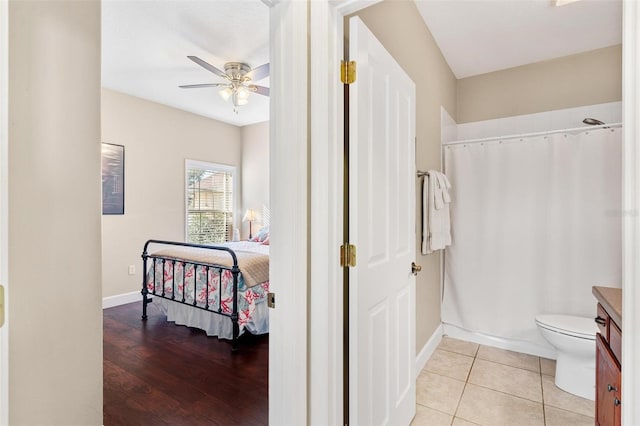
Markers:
point(535, 223)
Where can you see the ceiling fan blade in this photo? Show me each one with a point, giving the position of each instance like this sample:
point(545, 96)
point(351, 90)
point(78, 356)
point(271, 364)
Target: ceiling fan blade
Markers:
point(195, 86)
point(261, 90)
point(260, 72)
point(208, 66)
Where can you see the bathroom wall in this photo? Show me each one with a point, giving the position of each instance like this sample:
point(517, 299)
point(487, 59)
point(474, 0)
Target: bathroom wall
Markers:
point(542, 121)
point(588, 78)
point(400, 28)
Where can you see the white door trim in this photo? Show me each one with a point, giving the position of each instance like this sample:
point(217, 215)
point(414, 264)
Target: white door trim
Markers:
point(4, 207)
point(325, 327)
point(631, 214)
point(325, 301)
point(289, 180)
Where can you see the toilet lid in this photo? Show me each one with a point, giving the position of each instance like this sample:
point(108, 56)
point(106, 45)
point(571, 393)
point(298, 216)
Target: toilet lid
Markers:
point(582, 327)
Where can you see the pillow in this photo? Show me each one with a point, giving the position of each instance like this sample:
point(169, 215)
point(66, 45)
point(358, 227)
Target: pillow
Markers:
point(261, 235)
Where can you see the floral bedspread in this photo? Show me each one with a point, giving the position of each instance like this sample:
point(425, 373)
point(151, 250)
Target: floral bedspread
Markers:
point(211, 288)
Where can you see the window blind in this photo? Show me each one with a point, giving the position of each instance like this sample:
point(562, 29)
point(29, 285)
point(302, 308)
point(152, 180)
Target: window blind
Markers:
point(209, 205)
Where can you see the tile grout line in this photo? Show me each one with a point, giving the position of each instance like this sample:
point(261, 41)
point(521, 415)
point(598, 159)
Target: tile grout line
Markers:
point(541, 376)
point(509, 394)
point(508, 365)
point(443, 375)
point(539, 373)
point(504, 393)
point(544, 408)
point(455, 412)
point(539, 370)
point(434, 409)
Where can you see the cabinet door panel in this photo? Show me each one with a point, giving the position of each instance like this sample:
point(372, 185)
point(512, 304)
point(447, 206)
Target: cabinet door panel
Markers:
point(615, 341)
point(607, 385)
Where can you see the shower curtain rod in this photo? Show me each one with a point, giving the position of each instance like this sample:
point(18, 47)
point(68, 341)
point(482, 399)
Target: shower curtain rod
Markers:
point(526, 135)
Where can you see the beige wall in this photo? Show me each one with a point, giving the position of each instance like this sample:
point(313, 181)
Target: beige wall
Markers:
point(400, 28)
point(255, 171)
point(55, 336)
point(585, 79)
point(157, 140)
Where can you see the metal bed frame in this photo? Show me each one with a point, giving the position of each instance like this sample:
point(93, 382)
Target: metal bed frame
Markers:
point(235, 270)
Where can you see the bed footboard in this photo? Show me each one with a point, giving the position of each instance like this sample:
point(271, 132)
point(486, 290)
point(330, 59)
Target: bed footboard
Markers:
point(194, 283)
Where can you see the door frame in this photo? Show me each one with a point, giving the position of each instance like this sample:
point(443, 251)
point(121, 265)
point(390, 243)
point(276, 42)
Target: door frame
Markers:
point(631, 215)
point(289, 259)
point(4, 208)
point(326, 103)
point(306, 157)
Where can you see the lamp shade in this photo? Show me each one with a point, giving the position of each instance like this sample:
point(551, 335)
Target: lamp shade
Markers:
point(249, 216)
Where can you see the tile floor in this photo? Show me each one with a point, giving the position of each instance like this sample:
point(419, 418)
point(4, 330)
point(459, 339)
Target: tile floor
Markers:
point(465, 384)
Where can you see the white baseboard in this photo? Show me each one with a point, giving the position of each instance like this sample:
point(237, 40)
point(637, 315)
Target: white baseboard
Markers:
point(428, 349)
point(121, 299)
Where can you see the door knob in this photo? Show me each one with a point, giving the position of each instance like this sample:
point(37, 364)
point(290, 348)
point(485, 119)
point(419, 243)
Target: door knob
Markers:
point(415, 268)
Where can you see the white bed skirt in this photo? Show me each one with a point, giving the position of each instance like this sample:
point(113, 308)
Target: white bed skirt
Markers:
point(211, 323)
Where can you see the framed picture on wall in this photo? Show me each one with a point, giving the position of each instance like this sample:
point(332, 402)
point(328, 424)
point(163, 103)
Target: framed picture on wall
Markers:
point(112, 179)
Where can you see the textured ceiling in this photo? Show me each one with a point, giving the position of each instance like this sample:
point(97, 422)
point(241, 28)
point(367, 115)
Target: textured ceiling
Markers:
point(145, 46)
point(145, 43)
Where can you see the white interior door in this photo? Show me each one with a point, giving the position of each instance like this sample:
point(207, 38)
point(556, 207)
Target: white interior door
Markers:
point(382, 226)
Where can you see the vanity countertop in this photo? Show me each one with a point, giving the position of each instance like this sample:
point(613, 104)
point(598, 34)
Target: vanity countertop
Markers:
point(611, 299)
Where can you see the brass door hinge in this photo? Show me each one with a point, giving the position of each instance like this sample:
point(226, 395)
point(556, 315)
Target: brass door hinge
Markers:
point(348, 255)
point(348, 72)
point(271, 300)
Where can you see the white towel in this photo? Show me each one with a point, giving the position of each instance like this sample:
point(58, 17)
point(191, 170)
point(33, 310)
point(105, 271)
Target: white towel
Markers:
point(436, 225)
point(441, 192)
point(425, 215)
point(444, 186)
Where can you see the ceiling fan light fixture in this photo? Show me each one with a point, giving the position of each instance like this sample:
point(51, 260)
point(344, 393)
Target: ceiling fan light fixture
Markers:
point(243, 93)
point(238, 98)
point(238, 86)
point(226, 93)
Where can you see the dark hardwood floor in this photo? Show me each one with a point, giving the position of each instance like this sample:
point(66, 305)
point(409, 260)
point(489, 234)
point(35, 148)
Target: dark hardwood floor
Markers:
point(159, 373)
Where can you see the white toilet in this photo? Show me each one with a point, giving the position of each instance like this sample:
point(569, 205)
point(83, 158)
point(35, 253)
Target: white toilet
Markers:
point(575, 341)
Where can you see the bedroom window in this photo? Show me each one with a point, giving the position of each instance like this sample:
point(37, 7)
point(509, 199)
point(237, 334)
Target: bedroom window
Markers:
point(210, 201)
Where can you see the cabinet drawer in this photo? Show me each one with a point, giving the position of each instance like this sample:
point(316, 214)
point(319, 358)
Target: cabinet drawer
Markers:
point(602, 320)
point(615, 340)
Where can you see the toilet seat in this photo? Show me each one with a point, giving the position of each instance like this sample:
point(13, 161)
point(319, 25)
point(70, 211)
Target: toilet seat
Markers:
point(580, 327)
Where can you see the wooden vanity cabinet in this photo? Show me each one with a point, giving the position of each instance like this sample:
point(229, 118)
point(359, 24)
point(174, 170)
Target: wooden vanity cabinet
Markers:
point(607, 385)
point(608, 376)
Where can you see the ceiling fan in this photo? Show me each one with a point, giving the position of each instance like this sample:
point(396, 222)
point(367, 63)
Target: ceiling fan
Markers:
point(238, 86)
